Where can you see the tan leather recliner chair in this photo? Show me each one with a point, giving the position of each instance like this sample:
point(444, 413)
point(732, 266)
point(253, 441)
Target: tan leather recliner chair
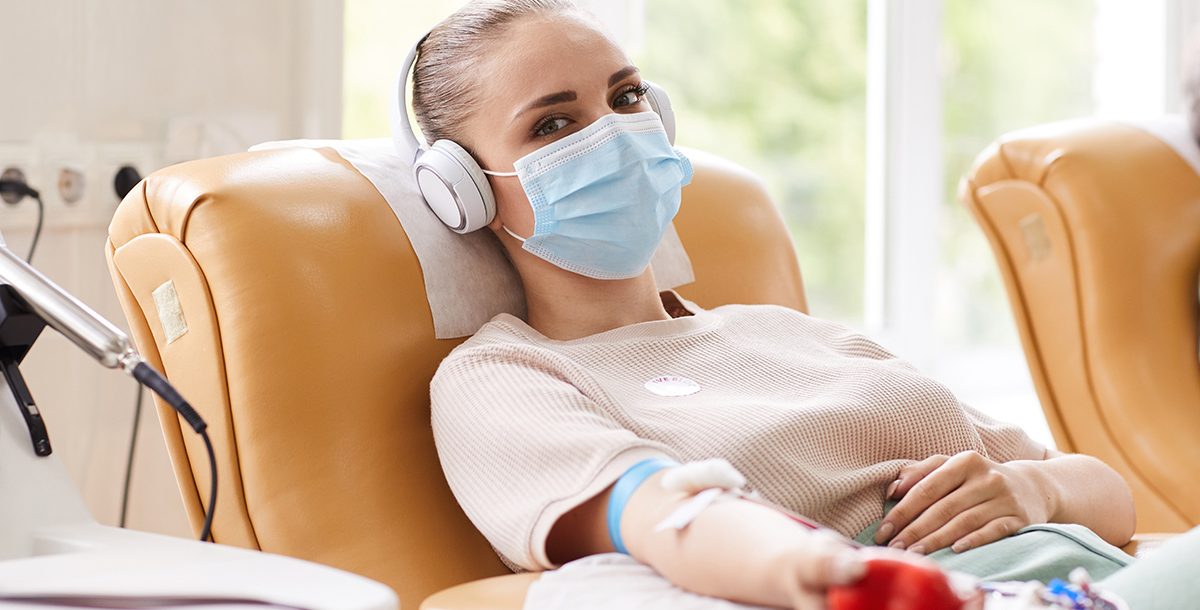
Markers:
point(310, 345)
point(1096, 229)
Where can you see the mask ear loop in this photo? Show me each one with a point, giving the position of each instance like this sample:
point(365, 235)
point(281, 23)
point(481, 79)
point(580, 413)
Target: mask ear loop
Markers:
point(504, 175)
point(514, 235)
point(500, 174)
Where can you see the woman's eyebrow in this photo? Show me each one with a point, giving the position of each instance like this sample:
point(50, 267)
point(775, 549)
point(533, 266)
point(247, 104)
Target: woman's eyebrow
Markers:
point(619, 75)
point(547, 100)
point(570, 96)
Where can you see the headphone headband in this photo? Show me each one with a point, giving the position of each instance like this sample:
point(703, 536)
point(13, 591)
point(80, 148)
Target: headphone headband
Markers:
point(402, 129)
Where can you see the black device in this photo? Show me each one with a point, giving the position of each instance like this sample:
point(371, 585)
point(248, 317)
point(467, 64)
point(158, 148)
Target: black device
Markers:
point(19, 328)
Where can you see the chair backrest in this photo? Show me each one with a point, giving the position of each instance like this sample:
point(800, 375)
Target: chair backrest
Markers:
point(309, 347)
point(1096, 229)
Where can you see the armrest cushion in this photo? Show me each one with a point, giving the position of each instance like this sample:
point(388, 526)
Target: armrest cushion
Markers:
point(1146, 543)
point(497, 593)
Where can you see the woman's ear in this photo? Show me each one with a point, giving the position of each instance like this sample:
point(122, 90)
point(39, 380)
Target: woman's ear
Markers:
point(496, 224)
point(512, 208)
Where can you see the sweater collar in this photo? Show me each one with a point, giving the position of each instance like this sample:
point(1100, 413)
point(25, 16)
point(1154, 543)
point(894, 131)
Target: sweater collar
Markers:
point(700, 320)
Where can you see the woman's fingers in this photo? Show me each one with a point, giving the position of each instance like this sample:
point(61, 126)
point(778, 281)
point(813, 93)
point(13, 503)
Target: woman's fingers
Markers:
point(965, 507)
point(909, 476)
point(931, 488)
point(956, 528)
point(842, 568)
point(997, 529)
point(829, 561)
point(825, 562)
point(809, 600)
point(913, 473)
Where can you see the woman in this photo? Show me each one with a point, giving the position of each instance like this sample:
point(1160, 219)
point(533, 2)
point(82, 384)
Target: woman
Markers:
point(536, 419)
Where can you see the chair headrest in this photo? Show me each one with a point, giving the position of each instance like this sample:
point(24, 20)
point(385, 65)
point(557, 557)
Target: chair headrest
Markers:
point(467, 277)
point(1174, 131)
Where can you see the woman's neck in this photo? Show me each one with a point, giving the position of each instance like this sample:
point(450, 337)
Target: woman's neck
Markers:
point(565, 306)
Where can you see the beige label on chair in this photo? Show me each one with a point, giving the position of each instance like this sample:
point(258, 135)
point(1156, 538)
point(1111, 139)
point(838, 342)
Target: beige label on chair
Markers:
point(170, 313)
point(1037, 242)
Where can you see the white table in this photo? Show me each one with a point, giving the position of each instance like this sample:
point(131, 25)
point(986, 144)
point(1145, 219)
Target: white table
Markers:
point(49, 543)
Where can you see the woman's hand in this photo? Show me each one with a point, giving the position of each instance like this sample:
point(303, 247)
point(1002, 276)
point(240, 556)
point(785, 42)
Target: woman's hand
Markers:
point(822, 560)
point(963, 501)
point(827, 573)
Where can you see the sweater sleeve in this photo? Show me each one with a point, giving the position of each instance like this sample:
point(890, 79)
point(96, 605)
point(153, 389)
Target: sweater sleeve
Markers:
point(521, 446)
point(1003, 441)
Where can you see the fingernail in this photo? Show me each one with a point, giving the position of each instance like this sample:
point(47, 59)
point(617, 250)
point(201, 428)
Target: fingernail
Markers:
point(846, 568)
point(918, 549)
point(885, 532)
point(960, 546)
point(898, 544)
point(891, 490)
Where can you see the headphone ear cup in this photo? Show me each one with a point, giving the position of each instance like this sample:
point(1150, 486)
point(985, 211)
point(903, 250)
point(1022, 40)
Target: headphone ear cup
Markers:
point(454, 187)
point(660, 102)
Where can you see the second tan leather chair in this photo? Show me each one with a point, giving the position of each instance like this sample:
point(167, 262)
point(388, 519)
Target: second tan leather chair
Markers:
point(1096, 229)
point(309, 347)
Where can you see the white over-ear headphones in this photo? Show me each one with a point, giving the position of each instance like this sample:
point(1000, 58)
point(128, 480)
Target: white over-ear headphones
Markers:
point(450, 180)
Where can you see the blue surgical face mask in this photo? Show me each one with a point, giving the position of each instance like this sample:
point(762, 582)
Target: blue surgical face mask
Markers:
point(603, 197)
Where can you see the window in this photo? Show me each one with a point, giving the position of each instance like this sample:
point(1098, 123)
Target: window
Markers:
point(1006, 65)
point(780, 89)
point(378, 34)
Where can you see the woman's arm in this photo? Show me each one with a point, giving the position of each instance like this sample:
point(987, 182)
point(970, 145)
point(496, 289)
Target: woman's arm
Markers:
point(1086, 491)
point(734, 549)
point(967, 500)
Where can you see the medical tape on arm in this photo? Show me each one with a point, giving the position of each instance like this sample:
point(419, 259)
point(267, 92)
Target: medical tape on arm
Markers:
point(706, 480)
point(709, 481)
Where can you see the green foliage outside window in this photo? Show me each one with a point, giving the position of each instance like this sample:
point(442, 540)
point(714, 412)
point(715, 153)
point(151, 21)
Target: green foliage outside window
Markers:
point(778, 86)
point(1007, 65)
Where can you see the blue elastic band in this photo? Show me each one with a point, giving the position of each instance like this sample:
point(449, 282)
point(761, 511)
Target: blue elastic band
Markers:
point(623, 489)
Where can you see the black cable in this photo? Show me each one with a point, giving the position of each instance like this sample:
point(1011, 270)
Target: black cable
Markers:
point(206, 530)
point(37, 231)
point(19, 188)
point(123, 181)
point(137, 418)
point(158, 384)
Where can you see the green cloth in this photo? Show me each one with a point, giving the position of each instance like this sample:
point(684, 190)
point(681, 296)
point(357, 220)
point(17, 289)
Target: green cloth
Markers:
point(1037, 552)
point(1167, 578)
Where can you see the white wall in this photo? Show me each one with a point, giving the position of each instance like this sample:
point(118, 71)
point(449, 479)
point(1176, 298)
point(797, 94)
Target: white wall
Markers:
point(153, 82)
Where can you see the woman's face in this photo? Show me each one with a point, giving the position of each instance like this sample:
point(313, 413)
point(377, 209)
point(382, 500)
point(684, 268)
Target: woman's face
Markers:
point(547, 78)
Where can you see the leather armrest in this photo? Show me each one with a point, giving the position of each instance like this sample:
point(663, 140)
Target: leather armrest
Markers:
point(1146, 543)
point(497, 593)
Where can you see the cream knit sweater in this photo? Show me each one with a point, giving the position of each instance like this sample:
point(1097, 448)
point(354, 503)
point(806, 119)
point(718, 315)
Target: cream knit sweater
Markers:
point(819, 418)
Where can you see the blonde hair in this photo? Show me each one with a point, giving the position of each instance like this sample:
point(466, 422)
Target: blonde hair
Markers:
point(444, 92)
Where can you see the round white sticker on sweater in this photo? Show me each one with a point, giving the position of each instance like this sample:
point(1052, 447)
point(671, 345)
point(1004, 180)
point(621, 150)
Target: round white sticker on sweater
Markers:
point(672, 385)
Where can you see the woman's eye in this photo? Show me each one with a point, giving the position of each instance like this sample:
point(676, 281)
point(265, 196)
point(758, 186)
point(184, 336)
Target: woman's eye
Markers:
point(550, 127)
point(630, 97)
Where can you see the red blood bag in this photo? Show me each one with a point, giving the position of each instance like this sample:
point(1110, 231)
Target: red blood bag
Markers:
point(893, 584)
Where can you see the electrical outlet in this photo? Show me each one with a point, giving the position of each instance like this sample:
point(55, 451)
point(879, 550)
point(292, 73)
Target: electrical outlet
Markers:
point(21, 214)
point(18, 157)
point(8, 176)
point(62, 179)
point(72, 184)
point(109, 159)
